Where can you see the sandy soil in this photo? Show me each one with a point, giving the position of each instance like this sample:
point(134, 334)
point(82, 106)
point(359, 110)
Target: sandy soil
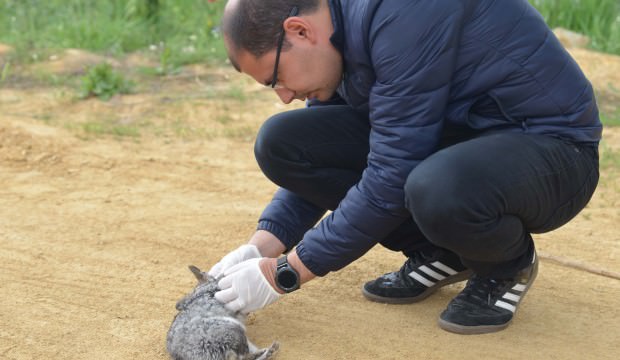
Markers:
point(97, 230)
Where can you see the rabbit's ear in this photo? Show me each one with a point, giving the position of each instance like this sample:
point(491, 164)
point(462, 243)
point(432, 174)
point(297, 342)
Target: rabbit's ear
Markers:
point(197, 273)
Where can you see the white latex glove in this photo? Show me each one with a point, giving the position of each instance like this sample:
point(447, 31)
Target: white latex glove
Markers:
point(242, 253)
point(245, 289)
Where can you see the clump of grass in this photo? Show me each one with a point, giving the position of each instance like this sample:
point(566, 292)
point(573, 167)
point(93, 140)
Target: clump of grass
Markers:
point(107, 127)
point(224, 119)
point(103, 81)
point(598, 19)
point(235, 92)
point(611, 120)
point(245, 133)
point(5, 71)
point(189, 28)
point(609, 158)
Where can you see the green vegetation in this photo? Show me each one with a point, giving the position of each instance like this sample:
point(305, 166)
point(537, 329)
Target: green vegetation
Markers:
point(105, 128)
point(235, 92)
point(598, 19)
point(108, 125)
point(4, 73)
point(611, 120)
point(178, 32)
point(103, 82)
point(609, 158)
point(186, 29)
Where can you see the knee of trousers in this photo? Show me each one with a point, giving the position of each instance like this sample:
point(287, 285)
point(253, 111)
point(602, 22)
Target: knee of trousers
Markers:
point(445, 209)
point(274, 149)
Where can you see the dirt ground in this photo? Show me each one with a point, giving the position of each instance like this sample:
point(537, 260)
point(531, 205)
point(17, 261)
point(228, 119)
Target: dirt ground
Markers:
point(97, 230)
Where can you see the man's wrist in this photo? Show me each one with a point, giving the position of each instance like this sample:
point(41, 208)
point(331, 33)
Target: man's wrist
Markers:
point(305, 274)
point(267, 243)
point(268, 268)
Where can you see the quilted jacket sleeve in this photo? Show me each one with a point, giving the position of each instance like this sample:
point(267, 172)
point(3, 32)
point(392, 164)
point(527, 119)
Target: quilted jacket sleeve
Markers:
point(413, 57)
point(288, 217)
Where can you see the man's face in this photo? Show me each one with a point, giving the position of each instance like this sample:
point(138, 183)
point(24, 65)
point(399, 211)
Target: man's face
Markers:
point(310, 68)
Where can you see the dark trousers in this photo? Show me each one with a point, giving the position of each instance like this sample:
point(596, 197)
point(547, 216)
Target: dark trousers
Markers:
point(480, 196)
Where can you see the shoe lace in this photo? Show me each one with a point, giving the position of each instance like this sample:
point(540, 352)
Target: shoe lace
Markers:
point(483, 290)
point(412, 263)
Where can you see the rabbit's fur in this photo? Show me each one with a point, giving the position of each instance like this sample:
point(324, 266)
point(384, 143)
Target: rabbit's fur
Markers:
point(205, 330)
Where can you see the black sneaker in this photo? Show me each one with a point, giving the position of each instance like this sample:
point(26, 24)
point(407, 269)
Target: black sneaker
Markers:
point(487, 305)
point(420, 276)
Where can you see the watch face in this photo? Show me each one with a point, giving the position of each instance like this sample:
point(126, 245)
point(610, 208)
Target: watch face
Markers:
point(287, 279)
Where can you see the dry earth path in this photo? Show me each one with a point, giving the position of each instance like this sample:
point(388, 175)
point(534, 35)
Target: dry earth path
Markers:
point(96, 233)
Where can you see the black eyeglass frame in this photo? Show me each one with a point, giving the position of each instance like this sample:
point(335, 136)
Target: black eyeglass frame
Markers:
point(274, 79)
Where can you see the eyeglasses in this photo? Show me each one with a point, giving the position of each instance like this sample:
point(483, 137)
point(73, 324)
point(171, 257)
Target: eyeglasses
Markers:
point(274, 79)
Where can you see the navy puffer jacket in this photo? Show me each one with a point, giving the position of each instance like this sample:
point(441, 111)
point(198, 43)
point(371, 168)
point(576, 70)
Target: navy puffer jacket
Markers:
point(416, 67)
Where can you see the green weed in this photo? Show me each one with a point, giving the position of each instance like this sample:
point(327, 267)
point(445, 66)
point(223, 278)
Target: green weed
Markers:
point(189, 28)
point(185, 131)
point(166, 64)
point(245, 133)
point(103, 82)
point(5, 71)
point(611, 120)
point(102, 128)
point(235, 92)
point(54, 80)
point(45, 118)
point(598, 19)
point(609, 158)
point(224, 119)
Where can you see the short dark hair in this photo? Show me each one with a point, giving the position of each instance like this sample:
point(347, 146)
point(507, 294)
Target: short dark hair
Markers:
point(255, 25)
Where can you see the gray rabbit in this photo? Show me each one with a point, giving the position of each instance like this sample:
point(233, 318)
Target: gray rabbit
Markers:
point(205, 330)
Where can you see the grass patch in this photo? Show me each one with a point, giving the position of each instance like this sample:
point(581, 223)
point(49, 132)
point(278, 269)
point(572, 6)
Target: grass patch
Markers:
point(609, 158)
point(598, 19)
point(103, 128)
point(5, 71)
point(245, 133)
point(53, 80)
point(235, 92)
point(188, 28)
point(103, 81)
point(45, 118)
point(611, 120)
point(188, 132)
point(224, 119)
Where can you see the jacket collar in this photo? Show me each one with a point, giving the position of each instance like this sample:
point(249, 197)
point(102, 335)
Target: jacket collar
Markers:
point(337, 38)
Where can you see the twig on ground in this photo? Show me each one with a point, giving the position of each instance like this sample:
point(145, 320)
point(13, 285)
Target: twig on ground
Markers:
point(579, 266)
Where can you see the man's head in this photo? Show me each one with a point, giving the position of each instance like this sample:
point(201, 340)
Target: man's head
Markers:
point(306, 64)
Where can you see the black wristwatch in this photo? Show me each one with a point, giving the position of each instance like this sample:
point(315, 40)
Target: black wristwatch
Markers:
point(287, 278)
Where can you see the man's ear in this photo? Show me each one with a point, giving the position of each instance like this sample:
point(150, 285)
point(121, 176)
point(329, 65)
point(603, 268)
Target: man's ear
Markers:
point(298, 28)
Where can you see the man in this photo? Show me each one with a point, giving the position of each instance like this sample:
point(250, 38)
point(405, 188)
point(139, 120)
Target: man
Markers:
point(447, 130)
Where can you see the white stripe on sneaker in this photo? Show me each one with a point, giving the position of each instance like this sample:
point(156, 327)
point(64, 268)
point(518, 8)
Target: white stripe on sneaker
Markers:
point(519, 287)
point(512, 297)
point(421, 279)
point(505, 305)
point(425, 269)
point(444, 268)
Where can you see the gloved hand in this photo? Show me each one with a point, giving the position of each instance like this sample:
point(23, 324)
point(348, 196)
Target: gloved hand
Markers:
point(242, 253)
point(244, 288)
